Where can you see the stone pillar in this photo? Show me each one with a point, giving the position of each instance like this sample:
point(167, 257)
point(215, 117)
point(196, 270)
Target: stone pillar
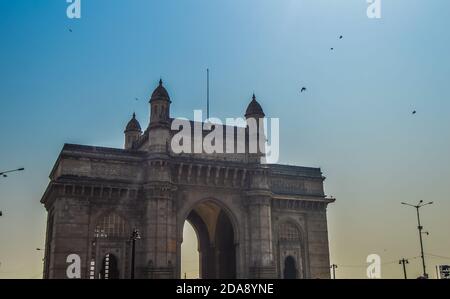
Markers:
point(159, 239)
point(261, 259)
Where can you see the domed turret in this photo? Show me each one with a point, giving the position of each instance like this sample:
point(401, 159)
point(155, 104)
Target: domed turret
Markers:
point(255, 117)
point(133, 125)
point(132, 132)
point(254, 109)
point(160, 106)
point(160, 92)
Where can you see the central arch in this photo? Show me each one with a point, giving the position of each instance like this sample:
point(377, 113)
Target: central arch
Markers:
point(216, 235)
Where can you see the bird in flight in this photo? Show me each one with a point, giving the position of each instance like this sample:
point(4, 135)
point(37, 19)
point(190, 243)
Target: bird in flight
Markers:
point(414, 112)
point(136, 99)
point(303, 89)
point(70, 29)
point(341, 37)
point(331, 49)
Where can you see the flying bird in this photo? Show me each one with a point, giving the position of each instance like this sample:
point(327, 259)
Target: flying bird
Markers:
point(414, 112)
point(136, 99)
point(331, 49)
point(303, 89)
point(70, 30)
point(341, 37)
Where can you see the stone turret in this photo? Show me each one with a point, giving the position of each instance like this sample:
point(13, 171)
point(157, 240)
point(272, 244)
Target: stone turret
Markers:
point(159, 128)
point(132, 132)
point(255, 116)
point(160, 106)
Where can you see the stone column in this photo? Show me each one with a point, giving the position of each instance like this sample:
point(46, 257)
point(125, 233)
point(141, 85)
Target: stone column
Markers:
point(159, 239)
point(261, 260)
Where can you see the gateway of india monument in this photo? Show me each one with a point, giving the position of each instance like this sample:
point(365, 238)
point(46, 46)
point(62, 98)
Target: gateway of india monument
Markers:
point(252, 219)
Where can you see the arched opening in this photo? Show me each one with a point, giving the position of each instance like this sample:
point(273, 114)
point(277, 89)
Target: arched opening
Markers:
point(215, 242)
point(109, 247)
point(290, 270)
point(189, 253)
point(110, 268)
point(290, 248)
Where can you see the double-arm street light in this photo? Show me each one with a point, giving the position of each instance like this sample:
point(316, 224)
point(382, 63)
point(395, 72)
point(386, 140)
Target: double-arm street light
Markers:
point(420, 228)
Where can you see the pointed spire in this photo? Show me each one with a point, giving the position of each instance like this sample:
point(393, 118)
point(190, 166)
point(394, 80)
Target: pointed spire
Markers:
point(160, 82)
point(254, 97)
point(134, 115)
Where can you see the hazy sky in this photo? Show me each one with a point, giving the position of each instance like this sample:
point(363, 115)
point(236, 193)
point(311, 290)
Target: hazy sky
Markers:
point(354, 121)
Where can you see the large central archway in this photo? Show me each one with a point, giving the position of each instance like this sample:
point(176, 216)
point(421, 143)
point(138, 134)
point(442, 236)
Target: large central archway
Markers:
point(216, 240)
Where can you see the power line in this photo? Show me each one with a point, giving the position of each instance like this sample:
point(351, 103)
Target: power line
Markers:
point(437, 256)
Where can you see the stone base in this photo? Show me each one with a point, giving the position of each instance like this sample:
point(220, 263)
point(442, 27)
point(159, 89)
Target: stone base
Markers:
point(262, 272)
point(161, 273)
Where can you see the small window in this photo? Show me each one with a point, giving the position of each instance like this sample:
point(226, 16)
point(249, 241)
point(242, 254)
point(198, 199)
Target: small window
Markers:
point(289, 232)
point(113, 226)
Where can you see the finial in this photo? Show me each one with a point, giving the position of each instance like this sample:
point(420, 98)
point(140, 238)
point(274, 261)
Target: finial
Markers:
point(134, 115)
point(160, 81)
point(254, 97)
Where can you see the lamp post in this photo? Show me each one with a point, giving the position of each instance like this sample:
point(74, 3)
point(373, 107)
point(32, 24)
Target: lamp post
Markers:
point(403, 262)
point(420, 228)
point(334, 267)
point(134, 236)
point(43, 261)
point(4, 173)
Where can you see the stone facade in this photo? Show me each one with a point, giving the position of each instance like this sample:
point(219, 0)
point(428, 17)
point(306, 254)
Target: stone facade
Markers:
point(252, 220)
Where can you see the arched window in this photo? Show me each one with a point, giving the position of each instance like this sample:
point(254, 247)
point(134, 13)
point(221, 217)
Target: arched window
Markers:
point(289, 232)
point(290, 269)
point(113, 226)
point(110, 269)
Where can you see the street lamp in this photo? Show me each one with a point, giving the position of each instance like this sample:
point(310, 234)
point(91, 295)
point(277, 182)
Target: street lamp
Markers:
point(420, 227)
point(43, 261)
point(134, 236)
point(4, 173)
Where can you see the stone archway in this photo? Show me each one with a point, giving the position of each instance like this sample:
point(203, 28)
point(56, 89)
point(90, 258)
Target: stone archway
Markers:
point(216, 240)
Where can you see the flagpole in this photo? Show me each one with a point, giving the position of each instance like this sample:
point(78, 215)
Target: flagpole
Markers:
point(207, 93)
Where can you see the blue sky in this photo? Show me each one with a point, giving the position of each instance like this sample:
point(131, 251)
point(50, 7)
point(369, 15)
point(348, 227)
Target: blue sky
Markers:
point(354, 121)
